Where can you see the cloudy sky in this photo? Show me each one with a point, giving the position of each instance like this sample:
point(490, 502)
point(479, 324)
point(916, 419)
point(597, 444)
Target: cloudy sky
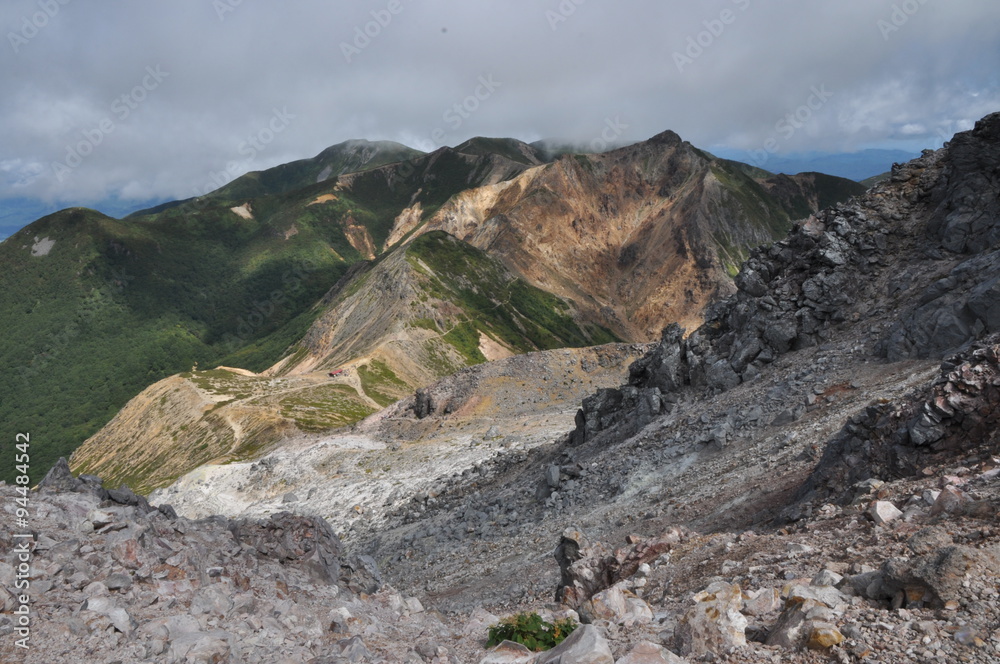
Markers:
point(149, 99)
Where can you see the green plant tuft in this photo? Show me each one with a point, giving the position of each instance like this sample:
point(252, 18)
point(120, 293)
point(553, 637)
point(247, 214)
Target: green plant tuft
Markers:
point(531, 631)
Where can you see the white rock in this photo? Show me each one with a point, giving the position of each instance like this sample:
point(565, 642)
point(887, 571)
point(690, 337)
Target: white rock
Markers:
point(714, 623)
point(762, 602)
point(637, 613)
point(480, 621)
point(584, 646)
point(508, 652)
point(94, 589)
point(646, 652)
point(120, 618)
point(827, 578)
point(214, 646)
point(619, 606)
point(100, 518)
point(826, 595)
point(213, 600)
point(882, 512)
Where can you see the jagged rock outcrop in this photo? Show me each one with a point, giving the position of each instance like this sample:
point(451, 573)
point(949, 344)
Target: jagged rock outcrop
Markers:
point(586, 569)
point(959, 412)
point(309, 543)
point(877, 257)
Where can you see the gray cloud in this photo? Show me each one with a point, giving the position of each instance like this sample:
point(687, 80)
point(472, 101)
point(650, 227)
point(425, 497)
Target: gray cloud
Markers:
point(165, 97)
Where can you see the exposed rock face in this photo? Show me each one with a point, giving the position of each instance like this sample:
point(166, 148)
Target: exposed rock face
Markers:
point(958, 412)
point(637, 236)
point(587, 569)
point(310, 543)
point(929, 579)
point(878, 253)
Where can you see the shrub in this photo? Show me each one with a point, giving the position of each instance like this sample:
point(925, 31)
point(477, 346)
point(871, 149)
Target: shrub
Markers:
point(531, 631)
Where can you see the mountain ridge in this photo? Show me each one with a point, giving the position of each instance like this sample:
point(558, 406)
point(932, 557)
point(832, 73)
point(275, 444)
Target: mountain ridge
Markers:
point(236, 281)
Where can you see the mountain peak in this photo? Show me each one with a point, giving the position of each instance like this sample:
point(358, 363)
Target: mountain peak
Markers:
point(667, 137)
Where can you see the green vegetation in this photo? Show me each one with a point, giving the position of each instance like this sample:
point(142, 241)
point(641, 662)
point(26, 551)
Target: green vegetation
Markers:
point(831, 190)
point(745, 198)
point(749, 198)
point(465, 338)
point(119, 304)
point(325, 407)
point(426, 324)
point(494, 302)
point(531, 631)
point(347, 157)
point(380, 383)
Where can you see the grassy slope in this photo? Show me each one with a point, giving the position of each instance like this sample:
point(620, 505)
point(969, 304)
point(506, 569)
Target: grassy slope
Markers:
point(117, 305)
point(510, 148)
point(523, 317)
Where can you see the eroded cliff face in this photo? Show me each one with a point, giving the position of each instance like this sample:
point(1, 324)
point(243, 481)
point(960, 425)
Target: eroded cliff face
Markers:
point(638, 237)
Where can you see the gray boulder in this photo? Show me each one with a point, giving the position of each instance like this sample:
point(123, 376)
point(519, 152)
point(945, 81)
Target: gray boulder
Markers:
point(585, 645)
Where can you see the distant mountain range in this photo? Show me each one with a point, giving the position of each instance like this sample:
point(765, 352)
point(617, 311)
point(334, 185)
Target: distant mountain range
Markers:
point(855, 166)
point(16, 213)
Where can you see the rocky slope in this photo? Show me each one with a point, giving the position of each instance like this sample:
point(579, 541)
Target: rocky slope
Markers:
point(96, 309)
point(215, 416)
point(113, 579)
point(458, 425)
point(906, 271)
point(433, 307)
point(806, 443)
